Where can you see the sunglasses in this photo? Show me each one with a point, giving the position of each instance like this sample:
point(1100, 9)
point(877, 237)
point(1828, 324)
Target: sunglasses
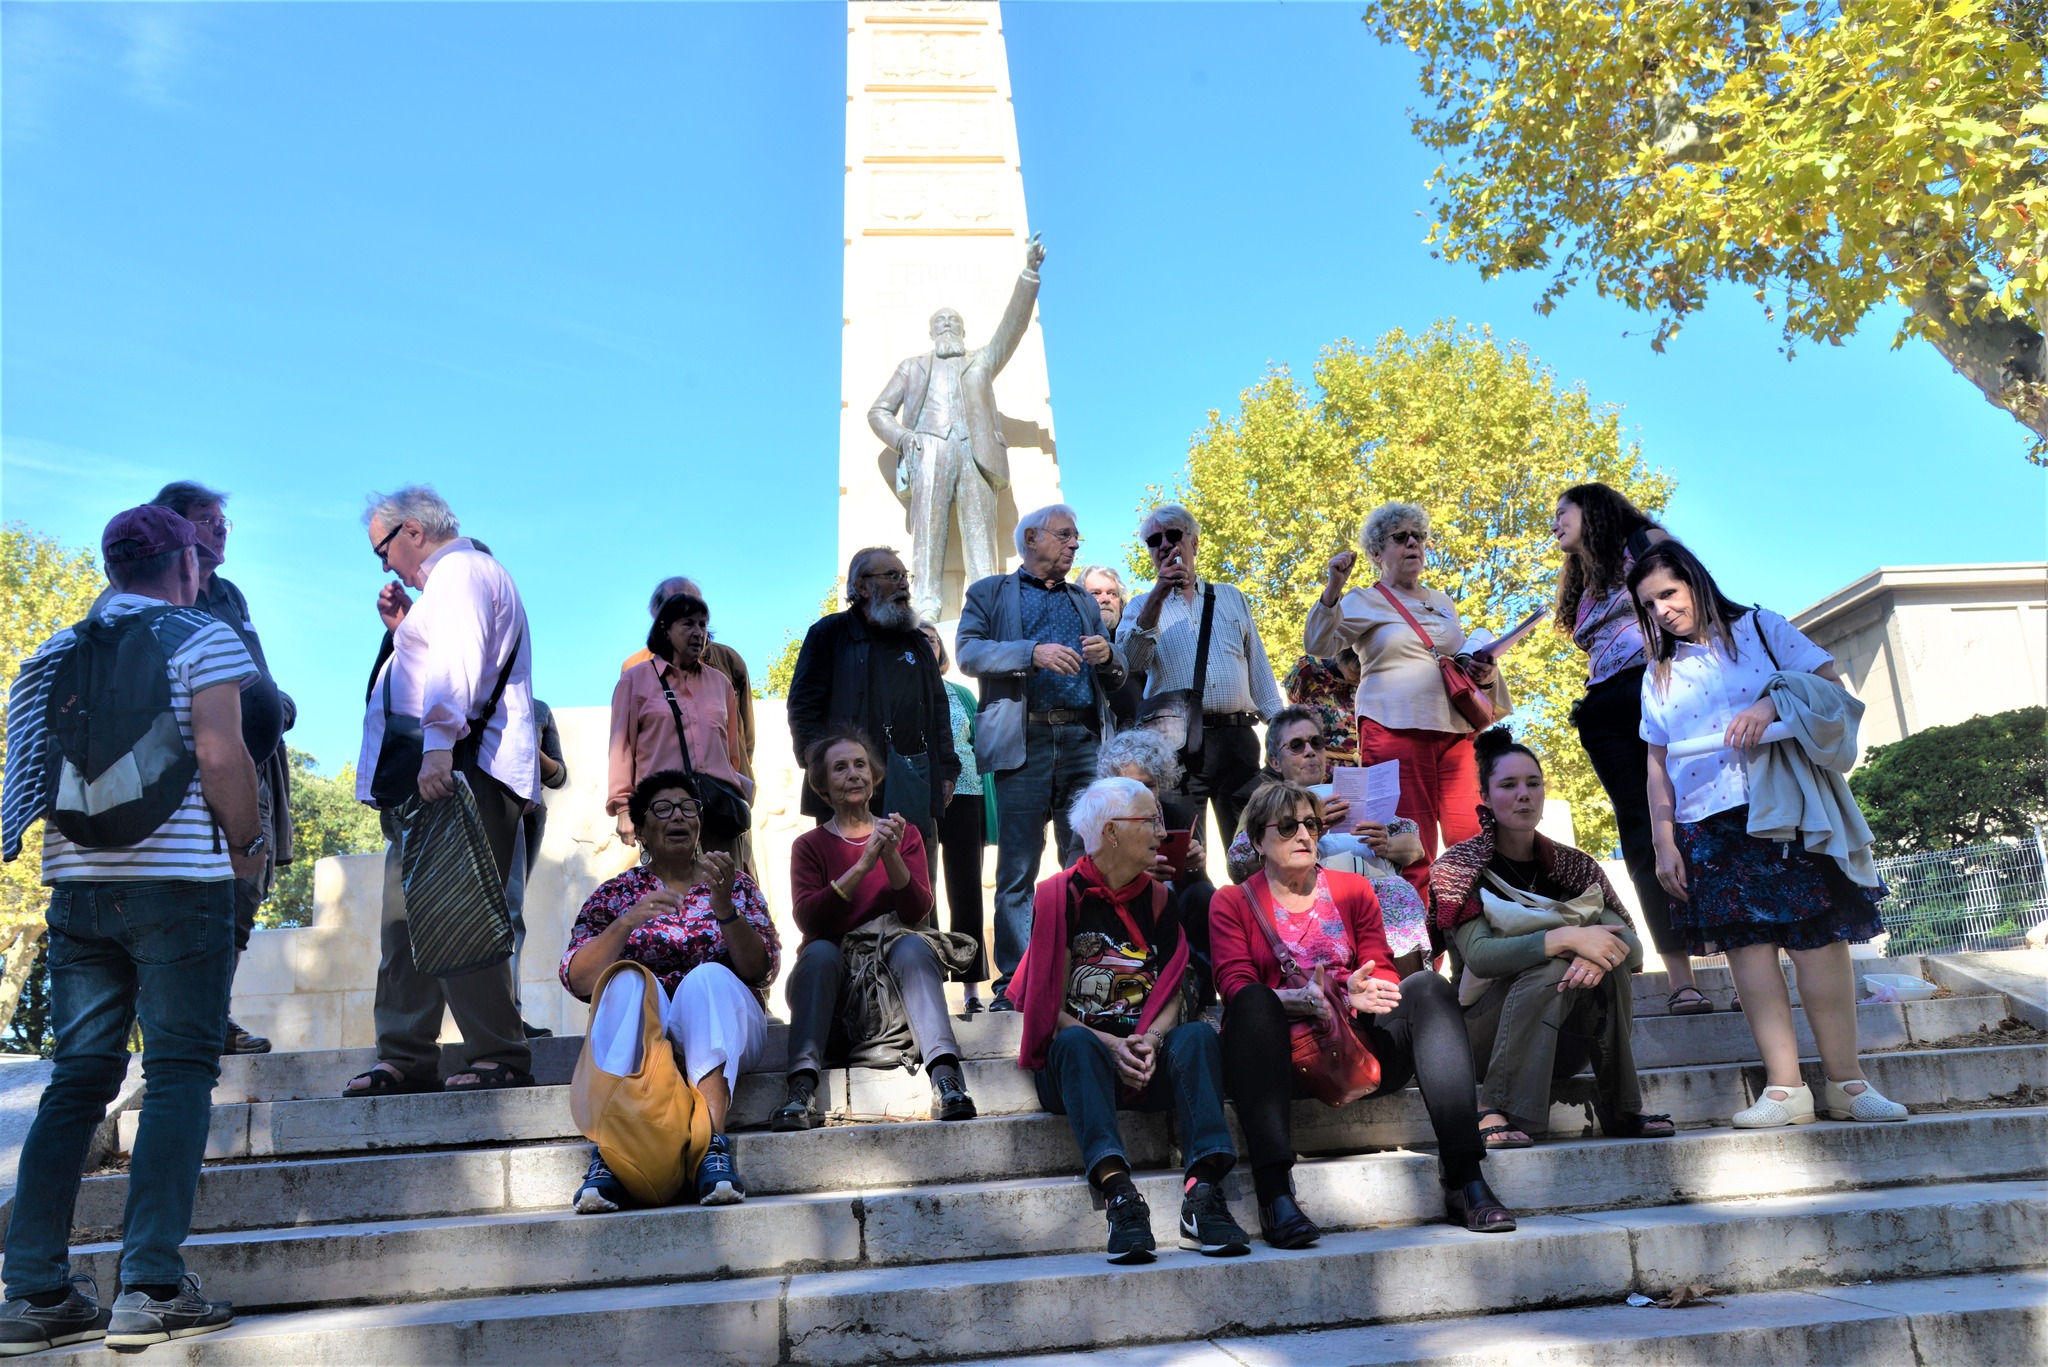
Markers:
point(1301, 745)
point(1165, 536)
point(1286, 826)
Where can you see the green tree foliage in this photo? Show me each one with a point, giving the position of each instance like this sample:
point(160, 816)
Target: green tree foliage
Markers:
point(783, 667)
point(1831, 158)
point(1948, 786)
point(47, 586)
point(1479, 433)
point(326, 819)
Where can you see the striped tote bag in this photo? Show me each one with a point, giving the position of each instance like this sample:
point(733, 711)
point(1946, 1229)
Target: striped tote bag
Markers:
point(455, 906)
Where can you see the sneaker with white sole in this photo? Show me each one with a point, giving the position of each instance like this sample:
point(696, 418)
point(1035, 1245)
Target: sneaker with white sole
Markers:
point(718, 1184)
point(78, 1318)
point(138, 1321)
point(1206, 1225)
point(601, 1192)
point(1868, 1104)
point(1778, 1106)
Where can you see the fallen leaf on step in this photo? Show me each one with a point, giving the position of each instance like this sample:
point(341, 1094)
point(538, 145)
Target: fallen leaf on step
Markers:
point(1694, 1293)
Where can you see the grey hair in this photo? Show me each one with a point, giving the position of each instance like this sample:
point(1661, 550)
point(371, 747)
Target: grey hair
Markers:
point(414, 503)
point(1173, 515)
point(1383, 521)
point(939, 642)
point(1294, 714)
point(669, 588)
point(1035, 520)
point(183, 495)
point(1146, 750)
point(1090, 571)
point(858, 566)
point(1102, 802)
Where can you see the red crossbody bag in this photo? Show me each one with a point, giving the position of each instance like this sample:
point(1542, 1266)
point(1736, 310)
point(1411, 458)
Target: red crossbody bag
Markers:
point(1467, 697)
point(1330, 1059)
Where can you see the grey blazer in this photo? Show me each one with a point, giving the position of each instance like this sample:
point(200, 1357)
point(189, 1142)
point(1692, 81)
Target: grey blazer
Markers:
point(991, 647)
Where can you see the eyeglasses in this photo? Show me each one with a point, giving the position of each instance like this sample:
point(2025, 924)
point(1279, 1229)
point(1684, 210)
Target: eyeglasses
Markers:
point(1410, 538)
point(385, 545)
point(1301, 745)
point(1156, 821)
point(1165, 536)
point(220, 522)
point(887, 576)
point(662, 808)
point(1286, 826)
point(1072, 534)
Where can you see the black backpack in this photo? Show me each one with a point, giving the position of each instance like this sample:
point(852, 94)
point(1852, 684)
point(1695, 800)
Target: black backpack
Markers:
point(119, 765)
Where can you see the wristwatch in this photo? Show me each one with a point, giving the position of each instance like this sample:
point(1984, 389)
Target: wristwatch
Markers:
point(254, 847)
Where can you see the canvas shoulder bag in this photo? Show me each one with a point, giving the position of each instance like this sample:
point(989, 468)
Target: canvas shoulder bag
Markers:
point(455, 908)
point(650, 1124)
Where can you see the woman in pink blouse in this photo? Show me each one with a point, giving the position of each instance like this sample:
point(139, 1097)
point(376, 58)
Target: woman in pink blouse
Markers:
point(694, 918)
point(673, 699)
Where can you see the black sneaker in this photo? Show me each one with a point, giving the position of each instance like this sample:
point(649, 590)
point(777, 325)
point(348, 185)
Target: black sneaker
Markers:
point(240, 1041)
point(949, 1097)
point(796, 1113)
point(1130, 1229)
point(1205, 1224)
point(138, 1321)
point(78, 1318)
point(717, 1183)
point(601, 1192)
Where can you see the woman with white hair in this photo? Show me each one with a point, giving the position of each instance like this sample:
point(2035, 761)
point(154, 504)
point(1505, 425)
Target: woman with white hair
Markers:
point(1101, 993)
point(1399, 627)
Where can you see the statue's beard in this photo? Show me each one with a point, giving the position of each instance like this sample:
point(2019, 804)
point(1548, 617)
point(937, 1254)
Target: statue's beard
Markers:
point(949, 347)
point(893, 613)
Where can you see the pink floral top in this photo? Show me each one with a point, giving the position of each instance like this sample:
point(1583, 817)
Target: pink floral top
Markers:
point(1317, 937)
point(672, 945)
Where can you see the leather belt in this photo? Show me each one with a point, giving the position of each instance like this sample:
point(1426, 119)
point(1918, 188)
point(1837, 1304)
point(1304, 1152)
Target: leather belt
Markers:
point(1062, 716)
point(1230, 719)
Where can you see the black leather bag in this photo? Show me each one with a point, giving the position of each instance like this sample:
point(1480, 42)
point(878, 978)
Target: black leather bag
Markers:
point(726, 815)
point(397, 775)
point(1176, 715)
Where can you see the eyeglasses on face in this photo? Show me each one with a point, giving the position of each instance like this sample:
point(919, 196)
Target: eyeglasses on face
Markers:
point(383, 547)
point(1069, 534)
point(1155, 821)
point(1165, 536)
point(1286, 826)
point(220, 522)
point(1301, 745)
point(1408, 537)
point(661, 809)
point(887, 576)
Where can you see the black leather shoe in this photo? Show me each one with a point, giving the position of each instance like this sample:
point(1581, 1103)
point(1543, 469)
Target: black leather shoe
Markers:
point(240, 1041)
point(1476, 1207)
point(1000, 1002)
point(949, 1098)
point(1283, 1225)
point(796, 1113)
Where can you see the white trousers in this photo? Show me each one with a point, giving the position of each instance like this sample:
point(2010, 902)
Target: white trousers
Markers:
point(714, 1019)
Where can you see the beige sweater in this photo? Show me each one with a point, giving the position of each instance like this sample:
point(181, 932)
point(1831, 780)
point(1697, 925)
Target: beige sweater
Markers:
point(1401, 687)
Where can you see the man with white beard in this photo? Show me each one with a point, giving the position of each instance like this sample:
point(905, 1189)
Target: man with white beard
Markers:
point(871, 667)
point(939, 413)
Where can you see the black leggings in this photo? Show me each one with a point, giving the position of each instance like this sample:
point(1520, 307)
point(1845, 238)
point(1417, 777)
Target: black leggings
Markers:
point(1610, 719)
point(1423, 1038)
point(962, 837)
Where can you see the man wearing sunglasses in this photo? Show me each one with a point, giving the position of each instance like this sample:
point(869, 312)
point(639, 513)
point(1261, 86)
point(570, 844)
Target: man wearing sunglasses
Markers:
point(1162, 638)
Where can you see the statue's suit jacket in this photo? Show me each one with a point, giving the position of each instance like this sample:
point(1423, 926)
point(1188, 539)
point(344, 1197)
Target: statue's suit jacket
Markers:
point(906, 390)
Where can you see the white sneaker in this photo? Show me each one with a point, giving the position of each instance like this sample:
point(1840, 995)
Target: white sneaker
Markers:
point(1778, 1106)
point(1867, 1104)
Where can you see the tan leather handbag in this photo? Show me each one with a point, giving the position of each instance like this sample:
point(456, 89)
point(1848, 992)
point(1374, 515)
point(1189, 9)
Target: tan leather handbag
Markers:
point(651, 1126)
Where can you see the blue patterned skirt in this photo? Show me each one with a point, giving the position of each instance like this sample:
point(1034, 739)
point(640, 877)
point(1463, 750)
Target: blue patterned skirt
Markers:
point(1746, 891)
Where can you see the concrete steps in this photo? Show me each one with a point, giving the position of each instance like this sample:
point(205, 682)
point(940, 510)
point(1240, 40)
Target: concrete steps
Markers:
point(533, 1240)
point(1067, 1302)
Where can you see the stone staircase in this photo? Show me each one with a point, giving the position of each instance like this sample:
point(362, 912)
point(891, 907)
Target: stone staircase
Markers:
point(435, 1229)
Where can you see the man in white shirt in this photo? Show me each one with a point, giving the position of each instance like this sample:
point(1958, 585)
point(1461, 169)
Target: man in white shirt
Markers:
point(1160, 636)
point(462, 663)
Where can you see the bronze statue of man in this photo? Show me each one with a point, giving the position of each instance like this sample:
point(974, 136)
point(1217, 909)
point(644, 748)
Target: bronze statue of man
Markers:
point(939, 412)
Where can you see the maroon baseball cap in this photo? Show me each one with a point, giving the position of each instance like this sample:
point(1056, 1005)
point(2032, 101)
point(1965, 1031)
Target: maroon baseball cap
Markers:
point(154, 531)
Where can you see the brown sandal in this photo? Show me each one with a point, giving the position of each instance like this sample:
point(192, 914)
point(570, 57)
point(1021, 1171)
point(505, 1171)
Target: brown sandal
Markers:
point(1697, 1006)
point(490, 1077)
point(381, 1081)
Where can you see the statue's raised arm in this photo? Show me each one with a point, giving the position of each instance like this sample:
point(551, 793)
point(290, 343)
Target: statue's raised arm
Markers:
point(1017, 317)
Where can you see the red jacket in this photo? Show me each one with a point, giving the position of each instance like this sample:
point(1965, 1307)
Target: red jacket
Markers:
point(1242, 955)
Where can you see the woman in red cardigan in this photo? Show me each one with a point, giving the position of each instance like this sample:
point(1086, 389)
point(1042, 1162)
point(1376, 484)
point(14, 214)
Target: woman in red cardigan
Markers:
point(1330, 922)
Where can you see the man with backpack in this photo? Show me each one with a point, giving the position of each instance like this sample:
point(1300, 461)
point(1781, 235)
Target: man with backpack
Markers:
point(125, 732)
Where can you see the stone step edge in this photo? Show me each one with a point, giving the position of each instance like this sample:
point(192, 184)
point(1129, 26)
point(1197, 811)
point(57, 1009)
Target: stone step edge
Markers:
point(1981, 1317)
point(770, 1296)
point(1160, 1175)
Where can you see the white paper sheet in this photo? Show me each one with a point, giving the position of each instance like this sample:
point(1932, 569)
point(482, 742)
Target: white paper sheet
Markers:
point(1373, 791)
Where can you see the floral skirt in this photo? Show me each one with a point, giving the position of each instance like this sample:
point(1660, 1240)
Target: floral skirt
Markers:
point(1402, 914)
point(1743, 890)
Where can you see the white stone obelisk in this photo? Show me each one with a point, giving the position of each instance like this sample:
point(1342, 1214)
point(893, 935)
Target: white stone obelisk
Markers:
point(934, 217)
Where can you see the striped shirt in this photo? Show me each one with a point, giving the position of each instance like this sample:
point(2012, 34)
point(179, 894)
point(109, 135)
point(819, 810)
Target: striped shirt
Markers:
point(188, 845)
point(1239, 678)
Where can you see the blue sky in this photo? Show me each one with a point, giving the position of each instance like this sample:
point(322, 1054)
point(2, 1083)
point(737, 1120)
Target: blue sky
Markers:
point(578, 265)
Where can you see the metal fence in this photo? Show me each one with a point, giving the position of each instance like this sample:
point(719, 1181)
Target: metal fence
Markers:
point(1976, 897)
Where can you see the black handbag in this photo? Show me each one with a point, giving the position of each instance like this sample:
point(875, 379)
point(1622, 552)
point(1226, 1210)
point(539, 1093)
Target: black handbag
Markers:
point(1176, 715)
point(397, 775)
point(726, 815)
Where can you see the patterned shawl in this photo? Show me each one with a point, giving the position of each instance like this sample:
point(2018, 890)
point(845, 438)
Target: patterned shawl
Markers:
point(1454, 877)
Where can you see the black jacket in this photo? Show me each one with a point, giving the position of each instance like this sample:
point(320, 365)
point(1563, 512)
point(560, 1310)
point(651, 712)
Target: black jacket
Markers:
point(830, 684)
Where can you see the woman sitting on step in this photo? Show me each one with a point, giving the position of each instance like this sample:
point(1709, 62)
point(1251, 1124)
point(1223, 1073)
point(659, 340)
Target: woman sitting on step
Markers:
point(699, 923)
point(1544, 958)
point(1326, 924)
point(862, 890)
point(1102, 991)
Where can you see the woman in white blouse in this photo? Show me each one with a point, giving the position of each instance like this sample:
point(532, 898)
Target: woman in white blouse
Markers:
point(1711, 664)
point(1403, 712)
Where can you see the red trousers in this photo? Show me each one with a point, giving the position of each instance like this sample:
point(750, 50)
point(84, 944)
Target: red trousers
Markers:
point(1439, 787)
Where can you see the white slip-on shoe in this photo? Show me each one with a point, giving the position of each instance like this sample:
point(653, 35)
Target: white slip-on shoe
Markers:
point(1867, 1104)
point(1778, 1106)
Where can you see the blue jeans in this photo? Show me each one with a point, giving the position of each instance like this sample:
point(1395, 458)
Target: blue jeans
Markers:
point(1079, 1081)
point(1059, 761)
point(162, 950)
